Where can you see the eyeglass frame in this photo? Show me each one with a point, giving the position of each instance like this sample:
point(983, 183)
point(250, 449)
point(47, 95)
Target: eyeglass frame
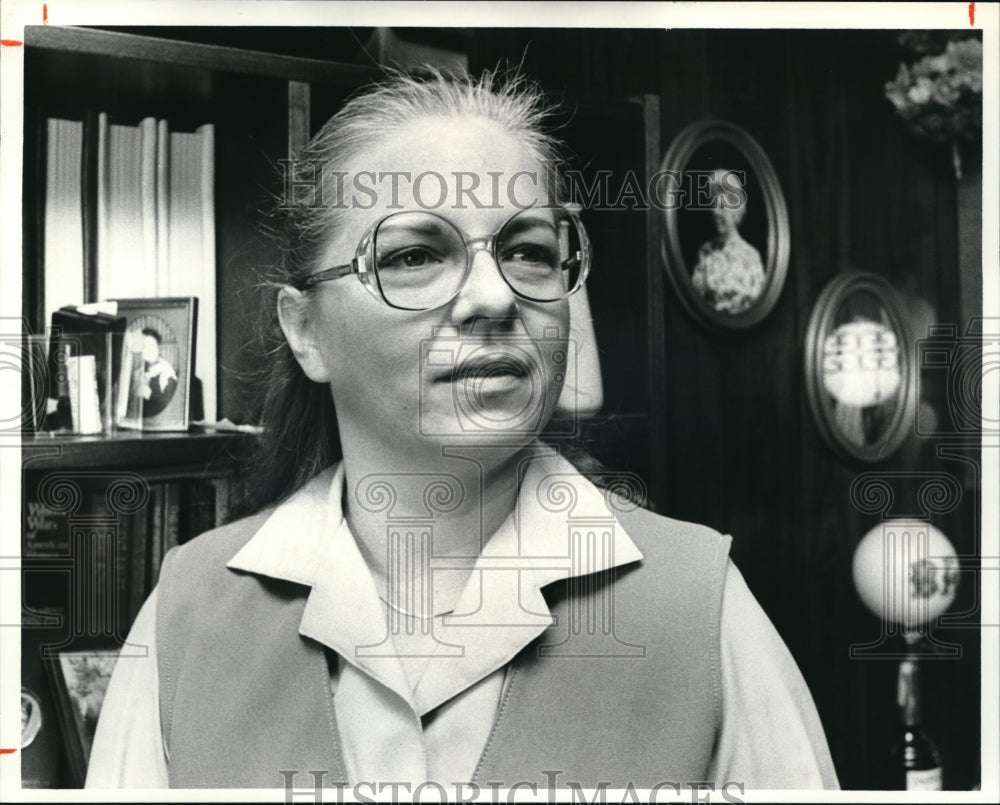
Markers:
point(359, 265)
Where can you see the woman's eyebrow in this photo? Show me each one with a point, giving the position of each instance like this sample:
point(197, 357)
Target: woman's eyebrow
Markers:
point(525, 223)
point(423, 227)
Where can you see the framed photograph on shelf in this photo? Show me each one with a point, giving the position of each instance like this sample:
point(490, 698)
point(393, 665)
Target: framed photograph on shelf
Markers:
point(859, 371)
point(157, 366)
point(80, 681)
point(726, 240)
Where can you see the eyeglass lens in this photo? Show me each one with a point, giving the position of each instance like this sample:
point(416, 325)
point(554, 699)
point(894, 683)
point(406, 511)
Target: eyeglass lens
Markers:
point(421, 258)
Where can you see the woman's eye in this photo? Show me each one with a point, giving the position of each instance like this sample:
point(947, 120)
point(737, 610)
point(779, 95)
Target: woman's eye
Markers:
point(530, 254)
point(409, 258)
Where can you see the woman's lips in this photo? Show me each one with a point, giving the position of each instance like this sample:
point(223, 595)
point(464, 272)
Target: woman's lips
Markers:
point(492, 369)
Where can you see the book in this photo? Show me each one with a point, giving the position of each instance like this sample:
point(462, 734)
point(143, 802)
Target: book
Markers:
point(112, 552)
point(191, 244)
point(78, 332)
point(45, 527)
point(139, 534)
point(162, 208)
point(63, 225)
point(126, 238)
point(198, 508)
point(149, 190)
point(46, 553)
point(85, 406)
point(94, 614)
point(91, 149)
point(171, 517)
point(155, 542)
point(223, 501)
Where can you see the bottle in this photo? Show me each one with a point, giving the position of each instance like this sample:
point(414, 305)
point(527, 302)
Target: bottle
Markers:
point(915, 760)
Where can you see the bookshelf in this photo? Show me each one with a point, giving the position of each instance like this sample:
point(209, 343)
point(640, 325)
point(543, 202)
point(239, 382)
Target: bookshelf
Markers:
point(90, 556)
point(134, 450)
point(98, 515)
point(260, 105)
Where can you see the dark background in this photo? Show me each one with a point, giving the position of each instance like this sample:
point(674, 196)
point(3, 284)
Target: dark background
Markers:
point(742, 452)
point(718, 425)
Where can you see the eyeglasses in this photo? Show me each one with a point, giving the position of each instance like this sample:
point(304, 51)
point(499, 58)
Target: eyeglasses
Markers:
point(420, 260)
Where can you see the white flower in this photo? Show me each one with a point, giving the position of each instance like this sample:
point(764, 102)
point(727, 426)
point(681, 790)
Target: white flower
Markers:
point(966, 56)
point(945, 93)
point(921, 91)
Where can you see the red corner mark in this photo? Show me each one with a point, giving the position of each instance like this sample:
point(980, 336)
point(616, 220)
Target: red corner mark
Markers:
point(11, 43)
point(45, 13)
point(972, 13)
point(7, 751)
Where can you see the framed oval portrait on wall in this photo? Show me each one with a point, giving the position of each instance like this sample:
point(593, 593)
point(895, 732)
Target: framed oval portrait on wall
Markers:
point(859, 367)
point(726, 239)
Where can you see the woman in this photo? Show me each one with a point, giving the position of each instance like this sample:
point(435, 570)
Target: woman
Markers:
point(729, 274)
point(413, 612)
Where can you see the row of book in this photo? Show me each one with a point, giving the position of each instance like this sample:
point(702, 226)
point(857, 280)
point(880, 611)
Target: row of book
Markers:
point(111, 544)
point(92, 547)
point(130, 213)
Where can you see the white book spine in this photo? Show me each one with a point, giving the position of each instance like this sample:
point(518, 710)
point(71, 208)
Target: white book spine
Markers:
point(63, 223)
point(206, 337)
point(148, 192)
point(162, 208)
point(84, 405)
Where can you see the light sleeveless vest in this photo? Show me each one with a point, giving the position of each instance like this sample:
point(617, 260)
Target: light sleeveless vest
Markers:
point(243, 696)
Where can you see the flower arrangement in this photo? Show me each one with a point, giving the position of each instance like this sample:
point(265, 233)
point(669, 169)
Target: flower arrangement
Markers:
point(940, 95)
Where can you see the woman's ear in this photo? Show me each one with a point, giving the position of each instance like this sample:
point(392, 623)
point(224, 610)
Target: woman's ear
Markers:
point(292, 306)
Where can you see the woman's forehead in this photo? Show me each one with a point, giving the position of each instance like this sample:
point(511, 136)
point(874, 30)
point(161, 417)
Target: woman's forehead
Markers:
point(459, 142)
point(469, 170)
point(446, 165)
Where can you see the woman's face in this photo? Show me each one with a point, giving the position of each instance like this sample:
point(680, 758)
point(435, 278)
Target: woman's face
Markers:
point(726, 220)
point(150, 349)
point(485, 365)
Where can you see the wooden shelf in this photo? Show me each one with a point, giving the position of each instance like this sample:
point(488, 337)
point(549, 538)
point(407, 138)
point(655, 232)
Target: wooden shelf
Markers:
point(187, 54)
point(133, 450)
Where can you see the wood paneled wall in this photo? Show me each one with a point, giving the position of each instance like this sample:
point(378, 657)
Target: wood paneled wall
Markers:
point(743, 454)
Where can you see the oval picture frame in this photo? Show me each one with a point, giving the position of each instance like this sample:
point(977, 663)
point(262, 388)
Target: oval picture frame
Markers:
point(733, 298)
point(859, 372)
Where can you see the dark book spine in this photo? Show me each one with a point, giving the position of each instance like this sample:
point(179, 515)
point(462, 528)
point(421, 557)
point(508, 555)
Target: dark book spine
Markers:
point(139, 546)
point(223, 501)
point(198, 510)
point(45, 531)
point(45, 550)
point(33, 216)
point(171, 517)
point(88, 203)
point(123, 575)
point(155, 533)
point(108, 554)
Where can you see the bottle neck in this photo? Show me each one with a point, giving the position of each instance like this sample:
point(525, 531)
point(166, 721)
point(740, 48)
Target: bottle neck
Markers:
point(908, 702)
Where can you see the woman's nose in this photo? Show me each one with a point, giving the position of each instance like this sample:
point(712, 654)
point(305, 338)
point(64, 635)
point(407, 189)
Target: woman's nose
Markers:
point(485, 293)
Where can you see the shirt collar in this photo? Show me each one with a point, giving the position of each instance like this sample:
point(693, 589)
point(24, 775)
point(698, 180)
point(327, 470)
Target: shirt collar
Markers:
point(561, 527)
